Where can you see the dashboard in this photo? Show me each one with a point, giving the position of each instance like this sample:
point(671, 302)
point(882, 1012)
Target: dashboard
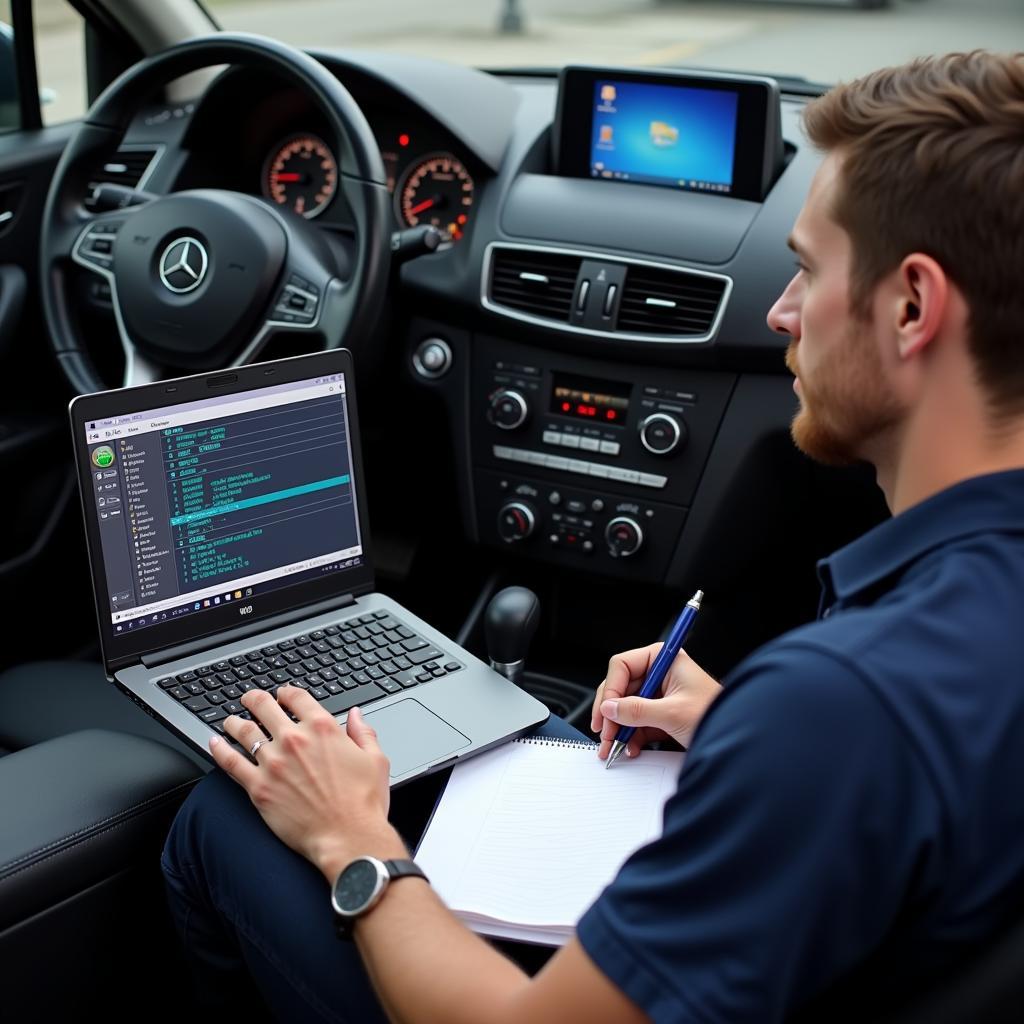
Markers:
point(589, 347)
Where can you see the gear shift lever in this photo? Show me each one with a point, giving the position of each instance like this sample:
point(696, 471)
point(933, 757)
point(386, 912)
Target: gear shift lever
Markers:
point(509, 624)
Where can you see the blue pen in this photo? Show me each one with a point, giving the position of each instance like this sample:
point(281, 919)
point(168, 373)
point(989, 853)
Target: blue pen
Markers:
point(662, 663)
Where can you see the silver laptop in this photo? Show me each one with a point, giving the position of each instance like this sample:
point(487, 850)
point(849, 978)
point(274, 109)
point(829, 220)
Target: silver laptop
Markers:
point(226, 522)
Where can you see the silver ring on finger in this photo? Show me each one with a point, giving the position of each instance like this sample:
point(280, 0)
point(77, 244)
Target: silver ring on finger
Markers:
point(254, 749)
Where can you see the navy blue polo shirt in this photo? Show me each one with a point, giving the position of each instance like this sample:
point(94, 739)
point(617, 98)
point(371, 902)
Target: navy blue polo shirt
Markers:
point(855, 787)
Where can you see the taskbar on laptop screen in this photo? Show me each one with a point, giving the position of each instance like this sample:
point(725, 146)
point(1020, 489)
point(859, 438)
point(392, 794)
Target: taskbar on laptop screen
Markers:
point(220, 500)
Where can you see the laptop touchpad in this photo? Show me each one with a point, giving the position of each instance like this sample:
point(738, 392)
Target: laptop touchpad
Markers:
point(412, 736)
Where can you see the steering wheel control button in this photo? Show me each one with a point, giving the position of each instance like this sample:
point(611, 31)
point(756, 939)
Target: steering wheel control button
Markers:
point(508, 410)
point(661, 434)
point(297, 303)
point(95, 246)
point(624, 537)
point(516, 521)
point(432, 358)
point(183, 265)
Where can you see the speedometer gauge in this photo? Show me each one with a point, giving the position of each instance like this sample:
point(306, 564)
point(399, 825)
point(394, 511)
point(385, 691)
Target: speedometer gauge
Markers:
point(436, 190)
point(302, 174)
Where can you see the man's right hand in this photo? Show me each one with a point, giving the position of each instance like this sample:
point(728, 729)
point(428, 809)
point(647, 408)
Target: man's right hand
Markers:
point(686, 694)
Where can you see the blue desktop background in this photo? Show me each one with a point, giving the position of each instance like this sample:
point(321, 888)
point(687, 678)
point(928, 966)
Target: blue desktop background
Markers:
point(704, 118)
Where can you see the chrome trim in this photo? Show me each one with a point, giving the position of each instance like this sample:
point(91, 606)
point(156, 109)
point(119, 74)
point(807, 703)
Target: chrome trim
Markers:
point(555, 325)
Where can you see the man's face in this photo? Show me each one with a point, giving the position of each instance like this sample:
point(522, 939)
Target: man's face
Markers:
point(847, 405)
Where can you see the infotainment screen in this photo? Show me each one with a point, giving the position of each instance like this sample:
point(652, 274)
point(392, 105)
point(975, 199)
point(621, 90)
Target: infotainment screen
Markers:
point(664, 135)
point(706, 132)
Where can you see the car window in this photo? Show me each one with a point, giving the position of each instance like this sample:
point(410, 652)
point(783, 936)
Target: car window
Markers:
point(9, 117)
point(823, 42)
point(60, 60)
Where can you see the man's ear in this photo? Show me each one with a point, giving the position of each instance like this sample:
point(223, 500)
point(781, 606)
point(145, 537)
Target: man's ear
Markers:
point(922, 303)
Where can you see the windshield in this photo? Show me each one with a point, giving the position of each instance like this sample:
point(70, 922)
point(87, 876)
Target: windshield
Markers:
point(822, 41)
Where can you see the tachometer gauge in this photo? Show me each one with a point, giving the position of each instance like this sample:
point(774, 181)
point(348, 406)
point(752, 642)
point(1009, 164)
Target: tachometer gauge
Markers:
point(302, 174)
point(436, 190)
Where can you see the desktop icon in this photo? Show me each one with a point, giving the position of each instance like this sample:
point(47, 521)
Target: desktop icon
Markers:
point(238, 595)
point(663, 134)
point(605, 133)
point(216, 600)
point(197, 607)
point(608, 93)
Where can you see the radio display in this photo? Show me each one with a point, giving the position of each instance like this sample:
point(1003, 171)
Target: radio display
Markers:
point(600, 402)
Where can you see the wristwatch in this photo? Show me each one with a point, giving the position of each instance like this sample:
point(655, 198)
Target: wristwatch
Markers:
point(360, 886)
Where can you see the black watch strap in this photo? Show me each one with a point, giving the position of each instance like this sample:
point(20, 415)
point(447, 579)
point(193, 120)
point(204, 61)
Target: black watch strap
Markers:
point(404, 869)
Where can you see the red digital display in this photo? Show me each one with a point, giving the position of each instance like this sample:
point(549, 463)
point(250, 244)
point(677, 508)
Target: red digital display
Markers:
point(591, 400)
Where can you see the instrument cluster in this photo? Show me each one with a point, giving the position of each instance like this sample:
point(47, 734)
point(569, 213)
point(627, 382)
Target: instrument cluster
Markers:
point(429, 183)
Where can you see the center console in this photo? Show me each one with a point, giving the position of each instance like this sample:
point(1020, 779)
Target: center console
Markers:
point(586, 464)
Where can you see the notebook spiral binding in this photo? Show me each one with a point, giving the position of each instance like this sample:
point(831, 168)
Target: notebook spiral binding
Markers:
point(554, 741)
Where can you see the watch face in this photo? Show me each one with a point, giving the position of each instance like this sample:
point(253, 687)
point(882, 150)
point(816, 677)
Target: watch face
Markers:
point(356, 886)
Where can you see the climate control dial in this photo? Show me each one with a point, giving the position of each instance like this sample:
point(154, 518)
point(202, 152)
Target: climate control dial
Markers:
point(661, 433)
point(516, 521)
point(624, 537)
point(509, 409)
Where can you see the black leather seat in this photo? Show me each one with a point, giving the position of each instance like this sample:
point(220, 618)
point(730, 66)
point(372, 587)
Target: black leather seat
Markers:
point(45, 699)
point(88, 786)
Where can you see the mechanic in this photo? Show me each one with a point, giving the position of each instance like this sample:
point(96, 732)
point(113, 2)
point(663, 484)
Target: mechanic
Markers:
point(846, 799)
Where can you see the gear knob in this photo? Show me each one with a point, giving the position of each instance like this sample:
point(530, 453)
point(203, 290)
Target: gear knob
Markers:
point(509, 624)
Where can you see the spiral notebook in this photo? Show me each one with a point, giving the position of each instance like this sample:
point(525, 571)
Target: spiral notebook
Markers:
point(525, 837)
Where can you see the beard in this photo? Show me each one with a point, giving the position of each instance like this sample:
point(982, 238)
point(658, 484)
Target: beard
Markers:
point(849, 408)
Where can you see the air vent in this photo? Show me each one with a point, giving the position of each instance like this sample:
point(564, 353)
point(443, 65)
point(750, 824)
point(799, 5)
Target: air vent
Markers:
point(537, 282)
point(129, 167)
point(668, 302)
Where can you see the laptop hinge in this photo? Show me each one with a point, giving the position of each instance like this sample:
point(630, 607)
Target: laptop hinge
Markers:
point(241, 632)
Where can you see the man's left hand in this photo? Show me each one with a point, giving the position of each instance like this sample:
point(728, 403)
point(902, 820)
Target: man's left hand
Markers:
point(323, 790)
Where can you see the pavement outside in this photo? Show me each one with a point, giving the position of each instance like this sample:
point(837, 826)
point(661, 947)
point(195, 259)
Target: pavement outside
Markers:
point(823, 42)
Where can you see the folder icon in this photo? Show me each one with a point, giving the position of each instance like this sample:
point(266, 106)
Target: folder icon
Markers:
point(663, 134)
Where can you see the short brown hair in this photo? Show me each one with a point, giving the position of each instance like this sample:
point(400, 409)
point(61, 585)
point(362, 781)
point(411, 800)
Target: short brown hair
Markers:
point(933, 162)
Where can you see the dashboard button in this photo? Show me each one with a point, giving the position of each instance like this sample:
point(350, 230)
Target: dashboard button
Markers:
point(570, 441)
point(610, 447)
point(653, 480)
point(552, 437)
point(590, 444)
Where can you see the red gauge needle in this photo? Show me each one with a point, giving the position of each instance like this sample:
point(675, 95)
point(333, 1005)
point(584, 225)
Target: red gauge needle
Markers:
point(420, 207)
point(289, 177)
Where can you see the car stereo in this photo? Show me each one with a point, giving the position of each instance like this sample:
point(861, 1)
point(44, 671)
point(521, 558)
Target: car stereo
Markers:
point(718, 134)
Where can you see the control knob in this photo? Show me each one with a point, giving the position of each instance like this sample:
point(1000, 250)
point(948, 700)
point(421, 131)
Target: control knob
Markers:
point(624, 537)
point(509, 409)
point(661, 433)
point(516, 521)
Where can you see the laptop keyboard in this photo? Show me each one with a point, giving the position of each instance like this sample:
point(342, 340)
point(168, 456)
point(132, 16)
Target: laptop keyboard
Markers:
point(356, 661)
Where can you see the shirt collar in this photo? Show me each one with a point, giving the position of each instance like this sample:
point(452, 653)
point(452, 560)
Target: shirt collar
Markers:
point(981, 504)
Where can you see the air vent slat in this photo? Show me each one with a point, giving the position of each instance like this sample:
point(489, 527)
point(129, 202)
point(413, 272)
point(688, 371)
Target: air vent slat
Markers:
point(550, 299)
point(126, 167)
point(684, 304)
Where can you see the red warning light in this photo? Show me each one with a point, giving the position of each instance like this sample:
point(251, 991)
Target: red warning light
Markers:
point(610, 414)
point(403, 140)
point(566, 407)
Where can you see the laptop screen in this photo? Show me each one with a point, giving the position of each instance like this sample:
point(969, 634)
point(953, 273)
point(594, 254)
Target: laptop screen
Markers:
point(221, 500)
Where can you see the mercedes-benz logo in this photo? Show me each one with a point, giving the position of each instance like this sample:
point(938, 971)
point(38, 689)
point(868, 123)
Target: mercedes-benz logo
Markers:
point(183, 265)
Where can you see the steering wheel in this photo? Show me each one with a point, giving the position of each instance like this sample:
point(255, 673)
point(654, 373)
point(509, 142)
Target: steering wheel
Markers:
point(201, 279)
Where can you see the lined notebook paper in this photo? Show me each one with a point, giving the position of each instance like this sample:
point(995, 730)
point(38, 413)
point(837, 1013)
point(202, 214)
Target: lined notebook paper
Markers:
point(526, 836)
